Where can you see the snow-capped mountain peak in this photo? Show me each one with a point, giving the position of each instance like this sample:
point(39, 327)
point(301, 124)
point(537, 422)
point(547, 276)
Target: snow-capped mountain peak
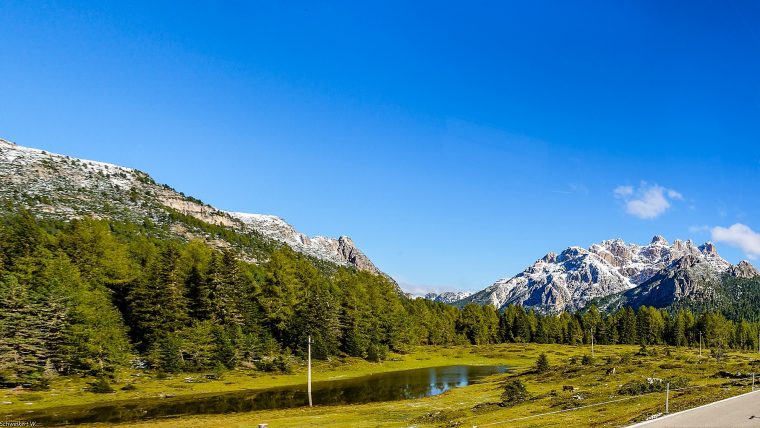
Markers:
point(448, 296)
point(568, 281)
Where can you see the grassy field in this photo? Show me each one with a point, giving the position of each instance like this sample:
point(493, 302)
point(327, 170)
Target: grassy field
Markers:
point(474, 405)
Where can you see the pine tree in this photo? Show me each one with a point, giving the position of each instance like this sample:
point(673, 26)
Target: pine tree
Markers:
point(165, 353)
point(574, 331)
point(24, 348)
point(505, 327)
point(279, 293)
point(471, 324)
point(679, 329)
point(198, 295)
point(225, 345)
point(354, 316)
point(157, 303)
point(317, 316)
point(627, 326)
point(224, 289)
point(22, 237)
point(542, 363)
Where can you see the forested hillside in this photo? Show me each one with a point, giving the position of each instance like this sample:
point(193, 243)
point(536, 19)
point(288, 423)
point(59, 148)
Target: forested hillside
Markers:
point(60, 187)
point(89, 296)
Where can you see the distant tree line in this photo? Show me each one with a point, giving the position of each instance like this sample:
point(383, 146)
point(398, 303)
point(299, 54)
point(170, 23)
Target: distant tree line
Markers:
point(89, 296)
point(644, 326)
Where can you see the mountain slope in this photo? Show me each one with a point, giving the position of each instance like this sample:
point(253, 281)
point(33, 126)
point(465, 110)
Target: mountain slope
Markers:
point(686, 279)
point(690, 281)
point(570, 280)
point(62, 187)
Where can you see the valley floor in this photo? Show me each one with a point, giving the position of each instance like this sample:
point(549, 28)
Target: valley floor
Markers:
point(594, 394)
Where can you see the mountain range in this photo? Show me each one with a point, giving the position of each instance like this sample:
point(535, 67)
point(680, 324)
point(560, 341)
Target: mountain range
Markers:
point(448, 296)
point(610, 274)
point(62, 187)
point(614, 273)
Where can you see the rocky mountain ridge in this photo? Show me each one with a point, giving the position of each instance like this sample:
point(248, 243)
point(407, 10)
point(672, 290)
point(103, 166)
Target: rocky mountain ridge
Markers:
point(576, 276)
point(687, 278)
point(63, 187)
point(341, 250)
point(448, 296)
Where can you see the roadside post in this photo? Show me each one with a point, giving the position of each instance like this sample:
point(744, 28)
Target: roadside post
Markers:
point(667, 399)
point(309, 370)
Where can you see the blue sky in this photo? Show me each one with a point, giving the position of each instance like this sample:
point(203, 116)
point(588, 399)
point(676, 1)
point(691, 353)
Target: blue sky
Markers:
point(455, 143)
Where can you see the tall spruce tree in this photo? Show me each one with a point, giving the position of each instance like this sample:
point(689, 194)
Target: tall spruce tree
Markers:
point(24, 333)
point(156, 302)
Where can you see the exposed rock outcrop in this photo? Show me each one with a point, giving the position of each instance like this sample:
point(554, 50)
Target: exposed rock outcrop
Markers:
point(743, 270)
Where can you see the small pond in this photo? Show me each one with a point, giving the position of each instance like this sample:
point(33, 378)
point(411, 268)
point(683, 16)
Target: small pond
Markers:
point(388, 386)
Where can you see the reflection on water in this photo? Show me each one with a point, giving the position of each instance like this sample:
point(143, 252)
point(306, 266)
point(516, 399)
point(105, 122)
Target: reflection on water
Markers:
point(399, 385)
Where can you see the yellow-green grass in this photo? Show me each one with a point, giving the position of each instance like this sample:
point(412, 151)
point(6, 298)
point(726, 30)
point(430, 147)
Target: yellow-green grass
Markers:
point(467, 406)
point(66, 391)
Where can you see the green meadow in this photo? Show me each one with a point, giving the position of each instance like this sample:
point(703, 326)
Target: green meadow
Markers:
point(574, 391)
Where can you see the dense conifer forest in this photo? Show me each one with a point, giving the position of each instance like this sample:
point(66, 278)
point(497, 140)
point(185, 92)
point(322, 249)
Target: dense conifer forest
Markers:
point(89, 296)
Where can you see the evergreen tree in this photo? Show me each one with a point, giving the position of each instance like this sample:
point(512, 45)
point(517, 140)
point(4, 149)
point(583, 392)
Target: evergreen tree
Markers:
point(679, 329)
point(21, 238)
point(472, 325)
point(317, 316)
point(279, 293)
point(157, 303)
point(199, 300)
point(627, 326)
point(354, 316)
point(165, 353)
point(24, 349)
point(225, 345)
point(542, 363)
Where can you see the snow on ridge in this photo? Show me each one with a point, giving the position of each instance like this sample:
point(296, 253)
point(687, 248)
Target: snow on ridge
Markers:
point(32, 154)
point(577, 275)
point(14, 156)
point(258, 219)
point(276, 228)
point(448, 296)
point(18, 161)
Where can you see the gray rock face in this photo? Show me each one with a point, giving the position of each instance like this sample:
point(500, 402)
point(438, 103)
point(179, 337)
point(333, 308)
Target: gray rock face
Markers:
point(353, 255)
point(743, 270)
point(62, 187)
point(570, 280)
point(687, 278)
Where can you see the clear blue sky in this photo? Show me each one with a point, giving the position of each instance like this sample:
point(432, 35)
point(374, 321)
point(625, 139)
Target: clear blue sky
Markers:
point(455, 143)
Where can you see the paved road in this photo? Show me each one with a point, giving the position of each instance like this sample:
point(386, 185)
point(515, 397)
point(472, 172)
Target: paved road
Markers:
point(735, 412)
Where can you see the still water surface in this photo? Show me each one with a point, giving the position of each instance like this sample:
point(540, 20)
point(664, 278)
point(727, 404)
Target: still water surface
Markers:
point(389, 386)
